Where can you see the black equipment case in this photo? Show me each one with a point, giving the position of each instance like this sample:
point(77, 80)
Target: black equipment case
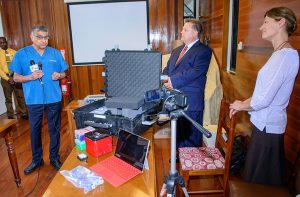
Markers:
point(129, 74)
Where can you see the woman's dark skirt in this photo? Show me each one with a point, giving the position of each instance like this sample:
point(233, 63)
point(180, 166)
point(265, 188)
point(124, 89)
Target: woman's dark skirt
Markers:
point(265, 158)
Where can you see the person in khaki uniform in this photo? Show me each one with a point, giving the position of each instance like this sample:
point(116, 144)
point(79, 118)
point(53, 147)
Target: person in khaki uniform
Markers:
point(7, 82)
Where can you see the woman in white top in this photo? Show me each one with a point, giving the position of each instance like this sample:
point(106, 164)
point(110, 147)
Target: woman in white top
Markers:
point(267, 106)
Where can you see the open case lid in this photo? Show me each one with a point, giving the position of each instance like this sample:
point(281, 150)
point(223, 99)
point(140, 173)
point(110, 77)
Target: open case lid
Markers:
point(131, 73)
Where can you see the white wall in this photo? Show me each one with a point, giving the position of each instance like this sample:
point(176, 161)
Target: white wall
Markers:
point(2, 99)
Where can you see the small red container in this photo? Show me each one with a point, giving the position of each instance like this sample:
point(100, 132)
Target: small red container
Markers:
point(98, 143)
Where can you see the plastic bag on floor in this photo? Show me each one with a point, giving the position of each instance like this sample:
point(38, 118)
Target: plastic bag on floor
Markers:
point(82, 177)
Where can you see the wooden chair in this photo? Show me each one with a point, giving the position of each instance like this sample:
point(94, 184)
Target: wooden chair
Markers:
point(211, 162)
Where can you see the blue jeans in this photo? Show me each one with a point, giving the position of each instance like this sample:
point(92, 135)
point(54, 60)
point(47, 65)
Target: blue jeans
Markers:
point(53, 114)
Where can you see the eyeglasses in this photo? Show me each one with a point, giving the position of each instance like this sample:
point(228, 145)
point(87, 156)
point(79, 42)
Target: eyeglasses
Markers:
point(39, 37)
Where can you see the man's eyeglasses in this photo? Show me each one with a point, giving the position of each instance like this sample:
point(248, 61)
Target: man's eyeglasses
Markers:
point(39, 37)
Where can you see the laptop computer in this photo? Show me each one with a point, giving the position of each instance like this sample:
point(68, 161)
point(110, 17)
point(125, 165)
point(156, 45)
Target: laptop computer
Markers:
point(128, 160)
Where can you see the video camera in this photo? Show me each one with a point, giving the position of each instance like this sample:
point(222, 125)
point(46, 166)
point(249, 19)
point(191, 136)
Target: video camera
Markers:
point(173, 99)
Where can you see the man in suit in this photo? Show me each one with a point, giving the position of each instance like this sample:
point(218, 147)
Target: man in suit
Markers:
point(186, 72)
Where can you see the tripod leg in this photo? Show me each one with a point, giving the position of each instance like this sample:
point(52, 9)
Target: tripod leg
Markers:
point(181, 183)
point(173, 177)
point(163, 190)
point(169, 185)
point(170, 182)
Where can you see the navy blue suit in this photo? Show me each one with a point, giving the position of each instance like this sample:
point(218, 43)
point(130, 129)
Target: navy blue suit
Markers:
point(189, 76)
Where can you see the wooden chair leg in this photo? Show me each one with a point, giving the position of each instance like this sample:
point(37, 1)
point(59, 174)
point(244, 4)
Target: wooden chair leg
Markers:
point(225, 185)
point(185, 177)
point(12, 158)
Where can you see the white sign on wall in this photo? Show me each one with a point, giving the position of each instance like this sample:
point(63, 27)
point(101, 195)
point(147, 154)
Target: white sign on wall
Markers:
point(96, 27)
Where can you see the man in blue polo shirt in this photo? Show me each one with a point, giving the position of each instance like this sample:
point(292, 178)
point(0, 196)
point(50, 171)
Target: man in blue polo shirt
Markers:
point(39, 67)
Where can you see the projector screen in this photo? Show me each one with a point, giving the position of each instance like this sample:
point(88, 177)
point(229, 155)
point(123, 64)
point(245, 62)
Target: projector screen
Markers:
point(106, 25)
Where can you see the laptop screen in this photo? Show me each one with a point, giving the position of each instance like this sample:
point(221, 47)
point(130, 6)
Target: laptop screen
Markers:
point(132, 149)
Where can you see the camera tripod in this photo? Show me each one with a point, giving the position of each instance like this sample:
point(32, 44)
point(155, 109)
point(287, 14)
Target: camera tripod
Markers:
point(174, 177)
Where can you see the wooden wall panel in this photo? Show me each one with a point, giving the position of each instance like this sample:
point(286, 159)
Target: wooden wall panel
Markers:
point(212, 21)
point(165, 25)
point(11, 19)
point(28, 14)
point(240, 85)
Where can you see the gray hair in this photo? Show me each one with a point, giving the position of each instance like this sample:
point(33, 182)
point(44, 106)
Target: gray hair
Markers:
point(42, 28)
point(196, 25)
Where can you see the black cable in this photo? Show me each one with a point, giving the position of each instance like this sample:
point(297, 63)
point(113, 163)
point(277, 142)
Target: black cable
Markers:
point(36, 182)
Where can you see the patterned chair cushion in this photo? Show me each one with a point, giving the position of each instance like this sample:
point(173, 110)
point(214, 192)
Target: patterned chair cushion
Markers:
point(203, 158)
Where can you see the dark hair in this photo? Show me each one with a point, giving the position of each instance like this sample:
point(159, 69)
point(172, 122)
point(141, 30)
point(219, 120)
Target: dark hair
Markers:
point(278, 13)
point(39, 28)
point(196, 25)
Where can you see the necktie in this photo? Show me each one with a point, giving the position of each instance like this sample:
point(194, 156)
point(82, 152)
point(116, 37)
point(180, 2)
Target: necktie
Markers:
point(181, 54)
point(8, 60)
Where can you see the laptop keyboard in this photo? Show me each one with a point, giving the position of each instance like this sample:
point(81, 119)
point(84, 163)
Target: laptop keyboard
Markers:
point(120, 168)
point(116, 171)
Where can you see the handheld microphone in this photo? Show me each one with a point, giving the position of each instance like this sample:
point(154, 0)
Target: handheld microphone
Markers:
point(32, 62)
point(40, 68)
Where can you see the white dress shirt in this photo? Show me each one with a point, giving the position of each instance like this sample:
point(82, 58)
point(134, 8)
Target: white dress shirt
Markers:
point(190, 45)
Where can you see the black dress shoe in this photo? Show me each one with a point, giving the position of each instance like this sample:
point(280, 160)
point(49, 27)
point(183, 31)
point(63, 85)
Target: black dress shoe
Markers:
point(56, 164)
point(33, 166)
point(10, 117)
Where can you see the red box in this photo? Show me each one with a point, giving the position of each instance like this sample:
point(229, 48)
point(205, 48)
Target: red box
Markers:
point(98, 143)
